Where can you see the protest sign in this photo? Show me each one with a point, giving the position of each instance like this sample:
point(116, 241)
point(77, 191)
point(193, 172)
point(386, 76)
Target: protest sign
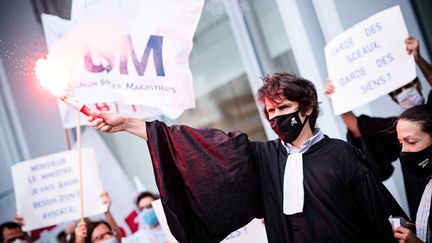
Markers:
point(47, 189)
point(122, 192)
point(252, 232)
point(127, 52)
point(369, 60)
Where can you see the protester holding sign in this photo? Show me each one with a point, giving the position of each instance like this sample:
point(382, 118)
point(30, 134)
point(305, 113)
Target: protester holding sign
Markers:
point(101, 230)
point(414, 131)
point(376, 136)
point(307, 186)
point(369, 60)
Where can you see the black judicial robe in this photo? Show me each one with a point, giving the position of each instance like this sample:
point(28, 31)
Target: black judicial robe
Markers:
point(380, 146)
point(378, 143)
point(212, 183)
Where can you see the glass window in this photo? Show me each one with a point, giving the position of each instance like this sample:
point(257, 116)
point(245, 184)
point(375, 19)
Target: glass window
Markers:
point(264, 21)
point(223, 96)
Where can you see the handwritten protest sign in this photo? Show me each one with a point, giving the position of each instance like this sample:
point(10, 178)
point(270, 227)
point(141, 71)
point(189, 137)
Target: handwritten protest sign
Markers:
point(128, 52)
point(369, 60)
point(122, 192)
point(47, 189)
point(252, 232)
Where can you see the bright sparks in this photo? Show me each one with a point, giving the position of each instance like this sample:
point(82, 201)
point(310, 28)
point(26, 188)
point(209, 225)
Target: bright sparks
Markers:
point(53, 76)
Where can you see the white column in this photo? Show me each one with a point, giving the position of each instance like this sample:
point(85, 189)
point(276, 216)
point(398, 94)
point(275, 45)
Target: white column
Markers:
point(14, 134)
point(331, 26)
point(298, 30)
point(248, 55)
point(13, 147)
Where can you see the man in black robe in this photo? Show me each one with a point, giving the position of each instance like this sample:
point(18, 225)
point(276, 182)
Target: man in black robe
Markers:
point(307, 186)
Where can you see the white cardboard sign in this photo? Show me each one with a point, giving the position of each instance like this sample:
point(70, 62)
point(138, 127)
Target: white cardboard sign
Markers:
point(47, 189)
point(252, 232)
point(369, 60)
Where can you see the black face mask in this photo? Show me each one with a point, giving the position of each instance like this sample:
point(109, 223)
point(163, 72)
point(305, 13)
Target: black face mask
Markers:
point(288, 127)
point(418, 163)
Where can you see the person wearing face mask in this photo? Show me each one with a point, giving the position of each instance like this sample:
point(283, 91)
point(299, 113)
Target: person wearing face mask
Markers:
point(99, 231)
point(414, 130)
point(307, 186)
point(376, 136)
point(409, 95)
point(148, 220)
point(11, 232)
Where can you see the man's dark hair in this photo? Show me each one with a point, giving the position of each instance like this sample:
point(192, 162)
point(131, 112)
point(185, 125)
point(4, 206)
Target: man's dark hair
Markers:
point(422, 114)
point(143, 195)
point(61, 236)
point(8, 225)
point(291, 87)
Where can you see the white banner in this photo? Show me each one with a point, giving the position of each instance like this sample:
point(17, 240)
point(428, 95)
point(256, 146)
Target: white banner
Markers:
point(252, 232)
point(129, 52)
point(47, 189)
point(369, 60)
point(54, 29)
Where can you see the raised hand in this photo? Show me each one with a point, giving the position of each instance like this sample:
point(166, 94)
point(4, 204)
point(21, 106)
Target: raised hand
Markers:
point(412, 46)
point(19, 220)
point(106, 200)
point(81, 232)
point(329, 89)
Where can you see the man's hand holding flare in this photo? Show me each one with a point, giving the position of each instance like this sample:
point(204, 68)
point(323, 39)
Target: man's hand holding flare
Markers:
point(111, 122)
point(107, 122)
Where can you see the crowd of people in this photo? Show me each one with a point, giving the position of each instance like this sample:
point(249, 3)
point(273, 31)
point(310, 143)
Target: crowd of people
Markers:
point(306, 186)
